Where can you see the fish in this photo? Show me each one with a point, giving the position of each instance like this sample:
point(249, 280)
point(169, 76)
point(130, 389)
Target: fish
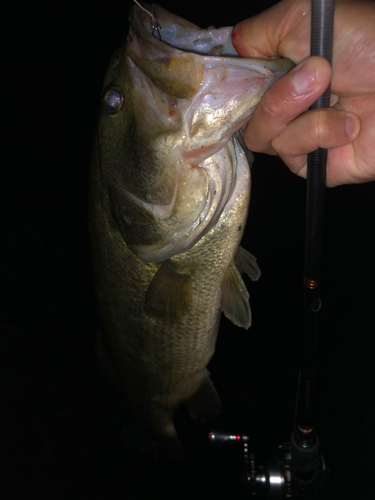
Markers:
point(169, 196)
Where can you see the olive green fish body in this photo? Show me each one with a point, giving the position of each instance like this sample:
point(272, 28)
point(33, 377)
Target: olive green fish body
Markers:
point(169, 195)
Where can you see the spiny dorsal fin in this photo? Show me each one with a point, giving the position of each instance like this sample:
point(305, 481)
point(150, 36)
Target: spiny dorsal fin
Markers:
point(247, 263)
point(169, 294)
point(205, 403)
point(235, 298)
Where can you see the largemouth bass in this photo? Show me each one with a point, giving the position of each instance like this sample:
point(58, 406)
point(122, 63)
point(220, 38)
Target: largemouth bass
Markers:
point(170, 188)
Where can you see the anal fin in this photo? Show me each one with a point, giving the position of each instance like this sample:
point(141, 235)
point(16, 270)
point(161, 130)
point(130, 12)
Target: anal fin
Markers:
point(205, 403)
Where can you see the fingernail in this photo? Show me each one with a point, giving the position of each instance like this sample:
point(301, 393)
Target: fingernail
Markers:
point(303, 79)
point(350, 126)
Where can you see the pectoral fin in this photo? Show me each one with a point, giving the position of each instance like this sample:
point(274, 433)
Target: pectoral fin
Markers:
point(247, 263)
point(205, 404)
point(235, 298)
point(169, 294)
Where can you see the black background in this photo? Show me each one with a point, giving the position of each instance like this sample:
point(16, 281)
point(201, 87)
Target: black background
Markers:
point(61, 424)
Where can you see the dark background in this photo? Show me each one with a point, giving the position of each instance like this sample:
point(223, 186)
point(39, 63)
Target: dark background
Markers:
point(60, 423)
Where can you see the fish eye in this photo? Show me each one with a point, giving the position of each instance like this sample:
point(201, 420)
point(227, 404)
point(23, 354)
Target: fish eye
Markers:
point(113, 100)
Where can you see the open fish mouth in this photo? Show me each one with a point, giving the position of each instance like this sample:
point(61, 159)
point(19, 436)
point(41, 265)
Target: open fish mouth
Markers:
point(187, 95)
point(202, 67)
point(153, 21)
point(186, 36)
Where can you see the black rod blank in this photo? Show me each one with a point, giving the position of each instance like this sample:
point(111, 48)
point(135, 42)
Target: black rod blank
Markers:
point(321, 45)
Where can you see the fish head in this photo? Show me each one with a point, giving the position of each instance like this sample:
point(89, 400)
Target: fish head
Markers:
point(174, 95)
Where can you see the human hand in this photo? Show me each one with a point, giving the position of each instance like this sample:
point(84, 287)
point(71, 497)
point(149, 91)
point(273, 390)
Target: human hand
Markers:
point(280, 124)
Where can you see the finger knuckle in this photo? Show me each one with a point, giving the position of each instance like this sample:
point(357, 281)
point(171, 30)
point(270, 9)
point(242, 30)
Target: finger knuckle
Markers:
point(322, 126)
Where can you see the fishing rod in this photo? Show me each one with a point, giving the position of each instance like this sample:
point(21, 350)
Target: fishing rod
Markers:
point(305, 454)
point(297, 470)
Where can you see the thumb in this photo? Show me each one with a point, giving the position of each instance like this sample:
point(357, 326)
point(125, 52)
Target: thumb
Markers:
point(283, 30)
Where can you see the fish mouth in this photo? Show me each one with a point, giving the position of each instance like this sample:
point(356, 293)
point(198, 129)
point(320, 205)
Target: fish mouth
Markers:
point(181, 34)
point(176, 54)
point(160, 27)
point(205, 93)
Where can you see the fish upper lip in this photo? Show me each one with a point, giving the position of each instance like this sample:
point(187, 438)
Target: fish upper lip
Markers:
point(179, 33)
point(140, 23)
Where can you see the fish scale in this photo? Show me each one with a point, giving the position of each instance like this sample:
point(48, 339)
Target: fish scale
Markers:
point(163, 273)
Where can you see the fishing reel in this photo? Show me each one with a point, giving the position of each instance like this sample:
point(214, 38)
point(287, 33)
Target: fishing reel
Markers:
point(296, 470)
